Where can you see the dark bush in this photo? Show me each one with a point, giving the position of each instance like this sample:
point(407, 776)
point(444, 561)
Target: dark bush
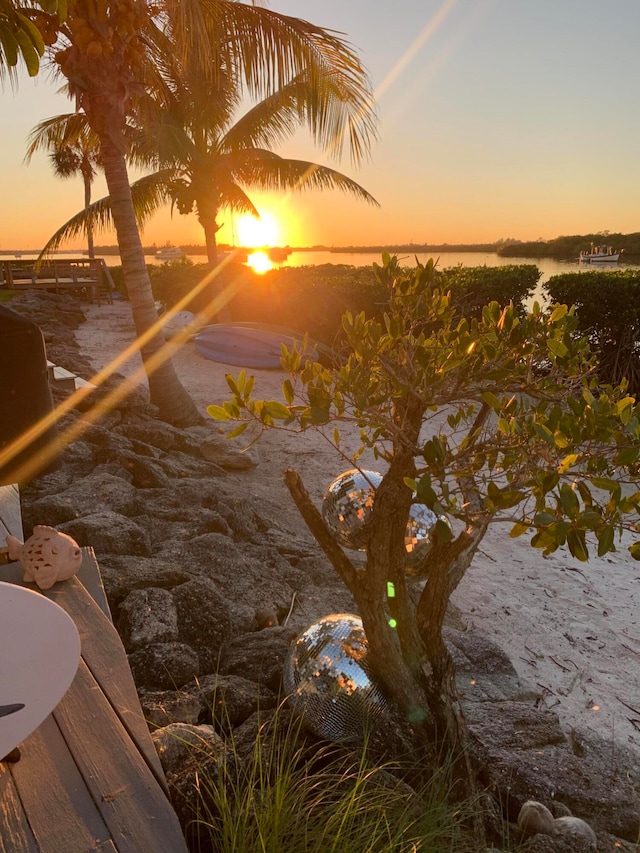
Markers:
point(608, 310)
point(474, 287)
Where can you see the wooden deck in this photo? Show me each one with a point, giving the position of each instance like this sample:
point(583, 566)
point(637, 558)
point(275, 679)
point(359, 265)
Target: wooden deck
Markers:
point(89, 778)
point(85, 276)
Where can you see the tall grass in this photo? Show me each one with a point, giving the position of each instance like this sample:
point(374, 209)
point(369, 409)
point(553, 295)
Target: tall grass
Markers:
point(286, 796)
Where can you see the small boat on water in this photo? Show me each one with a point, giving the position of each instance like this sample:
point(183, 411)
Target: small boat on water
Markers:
point(169, 253)
point(600, 254)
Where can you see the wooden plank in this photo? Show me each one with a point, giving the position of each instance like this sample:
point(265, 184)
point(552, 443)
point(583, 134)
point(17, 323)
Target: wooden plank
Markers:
point(62, 813)
point(90, 577)
point(15, 833)
point(106, 658)
point(10, 517)
point(133, 806)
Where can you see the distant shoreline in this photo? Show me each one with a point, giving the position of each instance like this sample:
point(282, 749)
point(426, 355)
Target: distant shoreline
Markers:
point(420, 248)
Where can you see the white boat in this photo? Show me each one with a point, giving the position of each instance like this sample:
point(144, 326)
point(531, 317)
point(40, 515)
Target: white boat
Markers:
point(600, 255)
point(169, 253)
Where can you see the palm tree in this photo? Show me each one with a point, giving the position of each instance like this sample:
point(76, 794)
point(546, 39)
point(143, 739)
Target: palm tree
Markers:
point(20, 39)
point(207, 163)
point(73, 150)
point(112, 52)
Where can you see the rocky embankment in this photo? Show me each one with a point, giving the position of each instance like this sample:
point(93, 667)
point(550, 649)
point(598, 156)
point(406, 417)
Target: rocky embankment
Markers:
point(207, 589)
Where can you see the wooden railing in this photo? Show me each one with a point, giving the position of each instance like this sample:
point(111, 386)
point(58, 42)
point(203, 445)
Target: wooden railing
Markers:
point(86, 276)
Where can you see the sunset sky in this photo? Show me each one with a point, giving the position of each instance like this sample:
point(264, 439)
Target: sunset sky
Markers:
point(498, 118)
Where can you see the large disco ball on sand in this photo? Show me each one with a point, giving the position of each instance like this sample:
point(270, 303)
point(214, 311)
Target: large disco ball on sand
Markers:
point(328, 679)
point(347, 505)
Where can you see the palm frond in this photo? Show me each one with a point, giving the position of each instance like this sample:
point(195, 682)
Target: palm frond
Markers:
point(149, 195)
point(267, 171)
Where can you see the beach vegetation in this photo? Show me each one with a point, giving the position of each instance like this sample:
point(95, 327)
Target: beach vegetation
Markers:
point(112, 54)
point(607, 306)
point(285, 792)
point(495, 419)
point(312, 300)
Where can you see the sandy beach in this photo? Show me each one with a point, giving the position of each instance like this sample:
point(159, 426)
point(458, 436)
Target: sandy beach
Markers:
point(571, 629)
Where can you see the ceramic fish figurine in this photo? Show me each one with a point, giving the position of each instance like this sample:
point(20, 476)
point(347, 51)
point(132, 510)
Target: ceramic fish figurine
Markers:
point(47, 556)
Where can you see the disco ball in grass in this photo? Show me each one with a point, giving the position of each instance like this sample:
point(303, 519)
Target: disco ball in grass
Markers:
point(418, 539)
point(347, 505)
point(329, 681)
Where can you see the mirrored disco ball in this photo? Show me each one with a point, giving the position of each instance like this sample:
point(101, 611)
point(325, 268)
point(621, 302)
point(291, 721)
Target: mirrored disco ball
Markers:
point(329, 682)
point(347, 505)
point(418, 539)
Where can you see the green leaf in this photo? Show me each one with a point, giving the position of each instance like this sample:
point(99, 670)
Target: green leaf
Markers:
point(218, 413)
point(569, 501)
point(577, 545)
point(626, 456)
point(287, 391)
point(491, 400)
point(442, 531)
point(518, 529)
point(557, 348)
point(558, 313)
point(544, 433)
point(634, 550)
point(237, 430)
point(278, 411)
point(605, 540)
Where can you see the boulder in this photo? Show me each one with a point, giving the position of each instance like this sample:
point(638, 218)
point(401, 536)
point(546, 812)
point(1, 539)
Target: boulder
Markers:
point(148, 616)
point(164, 666)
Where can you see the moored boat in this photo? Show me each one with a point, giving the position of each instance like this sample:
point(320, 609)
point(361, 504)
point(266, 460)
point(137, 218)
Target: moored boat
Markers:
point(169, 253)
point(600, 254)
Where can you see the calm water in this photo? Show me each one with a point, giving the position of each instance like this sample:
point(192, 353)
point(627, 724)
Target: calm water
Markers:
point(547, 266)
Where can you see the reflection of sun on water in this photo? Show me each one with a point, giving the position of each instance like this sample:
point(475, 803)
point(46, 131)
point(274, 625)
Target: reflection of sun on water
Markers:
point(260, 262)
point(258, 233)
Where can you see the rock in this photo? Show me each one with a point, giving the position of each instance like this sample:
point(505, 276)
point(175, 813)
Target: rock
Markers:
point(229, 700)
point(574, 827)
point(203, 620)
point(524, 754)
point(191, 757)
point(147, 617)
point(163, 707)
point(259, 656)
point(164, 666)
point(122, 573)
point(88, 495)
point(219, 449)
point(108, 532)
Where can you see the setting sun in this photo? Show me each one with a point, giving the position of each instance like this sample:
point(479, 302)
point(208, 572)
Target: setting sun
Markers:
point(255, 233)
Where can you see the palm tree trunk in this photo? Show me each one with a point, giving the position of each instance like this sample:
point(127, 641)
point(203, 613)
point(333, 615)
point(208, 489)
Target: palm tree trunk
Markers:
point(86, 177)
point(214, 292)
point(165, 389)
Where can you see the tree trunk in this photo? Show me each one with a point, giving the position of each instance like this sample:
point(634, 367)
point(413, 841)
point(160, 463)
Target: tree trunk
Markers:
point(217, 301)
point(165, 389)
point(86, 177)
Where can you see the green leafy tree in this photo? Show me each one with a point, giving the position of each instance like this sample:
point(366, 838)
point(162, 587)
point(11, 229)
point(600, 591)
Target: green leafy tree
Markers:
point(111, 54)
point(484, 420)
